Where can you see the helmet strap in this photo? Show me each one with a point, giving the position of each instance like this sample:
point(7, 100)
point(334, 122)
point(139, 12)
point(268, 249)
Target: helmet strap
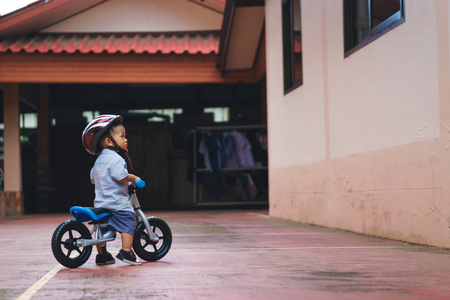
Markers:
point(121, 151)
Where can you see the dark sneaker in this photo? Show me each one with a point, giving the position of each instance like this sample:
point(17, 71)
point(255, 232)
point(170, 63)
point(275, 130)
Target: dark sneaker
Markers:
point(103, 259)
point(128, 257)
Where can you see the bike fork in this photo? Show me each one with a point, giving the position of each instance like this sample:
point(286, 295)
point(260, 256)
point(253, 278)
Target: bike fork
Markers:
point(153, 237)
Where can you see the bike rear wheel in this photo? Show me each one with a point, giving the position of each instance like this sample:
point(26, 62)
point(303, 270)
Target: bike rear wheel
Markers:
point(147, 249)
point(64, 245)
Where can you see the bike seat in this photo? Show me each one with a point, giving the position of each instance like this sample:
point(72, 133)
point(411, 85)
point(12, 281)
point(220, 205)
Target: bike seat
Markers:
point(84, 214)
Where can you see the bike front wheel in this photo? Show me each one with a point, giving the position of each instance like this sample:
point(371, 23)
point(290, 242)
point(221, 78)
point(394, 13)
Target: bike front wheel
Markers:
point(64, 244)
point(146, 248)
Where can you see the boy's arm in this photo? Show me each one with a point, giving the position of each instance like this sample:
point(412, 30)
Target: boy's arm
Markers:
point(130, 178)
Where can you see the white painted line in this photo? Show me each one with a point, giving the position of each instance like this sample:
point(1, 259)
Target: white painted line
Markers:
point(39, 284)
point(286, 248)
point(216, 225)
point(246, 234)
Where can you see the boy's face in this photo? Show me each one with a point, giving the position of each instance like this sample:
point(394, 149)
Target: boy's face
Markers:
point(118, 135)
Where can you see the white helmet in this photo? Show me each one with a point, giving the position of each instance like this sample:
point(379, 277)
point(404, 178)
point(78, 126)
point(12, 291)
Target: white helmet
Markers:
point(95, 129)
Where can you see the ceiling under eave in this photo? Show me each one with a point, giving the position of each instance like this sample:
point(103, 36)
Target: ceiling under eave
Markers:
point(41, 14)
point(242, 28)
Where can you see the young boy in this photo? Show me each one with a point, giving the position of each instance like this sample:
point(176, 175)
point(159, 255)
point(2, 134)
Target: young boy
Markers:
point(105, 135)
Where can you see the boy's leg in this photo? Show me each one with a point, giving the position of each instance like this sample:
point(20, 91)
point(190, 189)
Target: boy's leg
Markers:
point(100, 249)
point(103, 256)
point(126, 254)
point(127, 241)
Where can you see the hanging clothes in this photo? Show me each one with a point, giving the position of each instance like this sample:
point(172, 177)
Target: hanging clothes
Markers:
point(218, 149)
point(240, 150)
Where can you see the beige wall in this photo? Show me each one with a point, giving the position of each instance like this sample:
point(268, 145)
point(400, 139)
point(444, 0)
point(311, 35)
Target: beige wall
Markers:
point(142, 15)
point(362, 145)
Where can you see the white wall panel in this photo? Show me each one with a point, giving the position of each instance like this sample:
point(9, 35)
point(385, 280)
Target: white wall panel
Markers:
point(296, 120)
point(142, 15)
point(385, 94)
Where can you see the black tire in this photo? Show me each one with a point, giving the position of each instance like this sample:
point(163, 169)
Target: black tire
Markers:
point(144, 247)
point(64, 248)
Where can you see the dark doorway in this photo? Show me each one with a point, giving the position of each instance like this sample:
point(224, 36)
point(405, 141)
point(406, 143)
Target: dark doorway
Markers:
point(158, 119)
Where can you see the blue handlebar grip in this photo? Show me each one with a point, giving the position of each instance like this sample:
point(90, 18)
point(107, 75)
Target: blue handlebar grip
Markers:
point(140, 184)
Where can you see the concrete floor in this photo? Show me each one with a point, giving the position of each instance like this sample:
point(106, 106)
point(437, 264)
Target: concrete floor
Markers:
point(227, 255)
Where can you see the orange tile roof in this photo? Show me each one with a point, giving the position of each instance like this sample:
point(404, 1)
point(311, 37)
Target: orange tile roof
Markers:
point(113, 43)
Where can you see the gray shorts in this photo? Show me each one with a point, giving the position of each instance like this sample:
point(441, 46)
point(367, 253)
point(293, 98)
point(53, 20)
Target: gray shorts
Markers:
point(123, 221)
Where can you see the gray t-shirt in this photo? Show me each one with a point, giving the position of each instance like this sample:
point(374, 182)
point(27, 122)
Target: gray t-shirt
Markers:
point(110, 193)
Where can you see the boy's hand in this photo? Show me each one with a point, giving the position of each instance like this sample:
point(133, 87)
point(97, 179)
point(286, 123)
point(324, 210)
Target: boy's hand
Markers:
point(134, 182)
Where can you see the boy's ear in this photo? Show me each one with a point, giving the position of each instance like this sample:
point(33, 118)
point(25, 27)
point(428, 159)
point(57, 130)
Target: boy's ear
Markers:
point(108, 142)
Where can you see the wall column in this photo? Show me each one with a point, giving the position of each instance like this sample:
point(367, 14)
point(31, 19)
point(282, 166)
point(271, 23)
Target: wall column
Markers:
point(12, 199)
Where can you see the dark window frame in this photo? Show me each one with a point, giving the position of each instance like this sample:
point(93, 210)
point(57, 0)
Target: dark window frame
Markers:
point(290, 83)
point(387, 25)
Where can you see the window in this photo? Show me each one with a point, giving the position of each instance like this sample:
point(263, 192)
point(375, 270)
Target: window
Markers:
point(158, 115)
point(28, 121)
point(366, 20)
point(292, 44)
point(221, 114)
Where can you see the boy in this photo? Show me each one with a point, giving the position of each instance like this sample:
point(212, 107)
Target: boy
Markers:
point(105, 135)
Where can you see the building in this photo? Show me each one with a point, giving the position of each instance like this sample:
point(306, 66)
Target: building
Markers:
point(363, 143)
point(165, 65)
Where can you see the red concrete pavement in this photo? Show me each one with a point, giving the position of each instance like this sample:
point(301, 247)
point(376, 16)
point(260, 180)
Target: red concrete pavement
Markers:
point(241, 254)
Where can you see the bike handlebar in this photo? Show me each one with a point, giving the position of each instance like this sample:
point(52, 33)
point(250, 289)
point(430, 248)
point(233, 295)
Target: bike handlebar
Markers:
point(140, 184)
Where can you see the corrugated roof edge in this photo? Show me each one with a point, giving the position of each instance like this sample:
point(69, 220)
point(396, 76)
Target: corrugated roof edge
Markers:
point(162, 42)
